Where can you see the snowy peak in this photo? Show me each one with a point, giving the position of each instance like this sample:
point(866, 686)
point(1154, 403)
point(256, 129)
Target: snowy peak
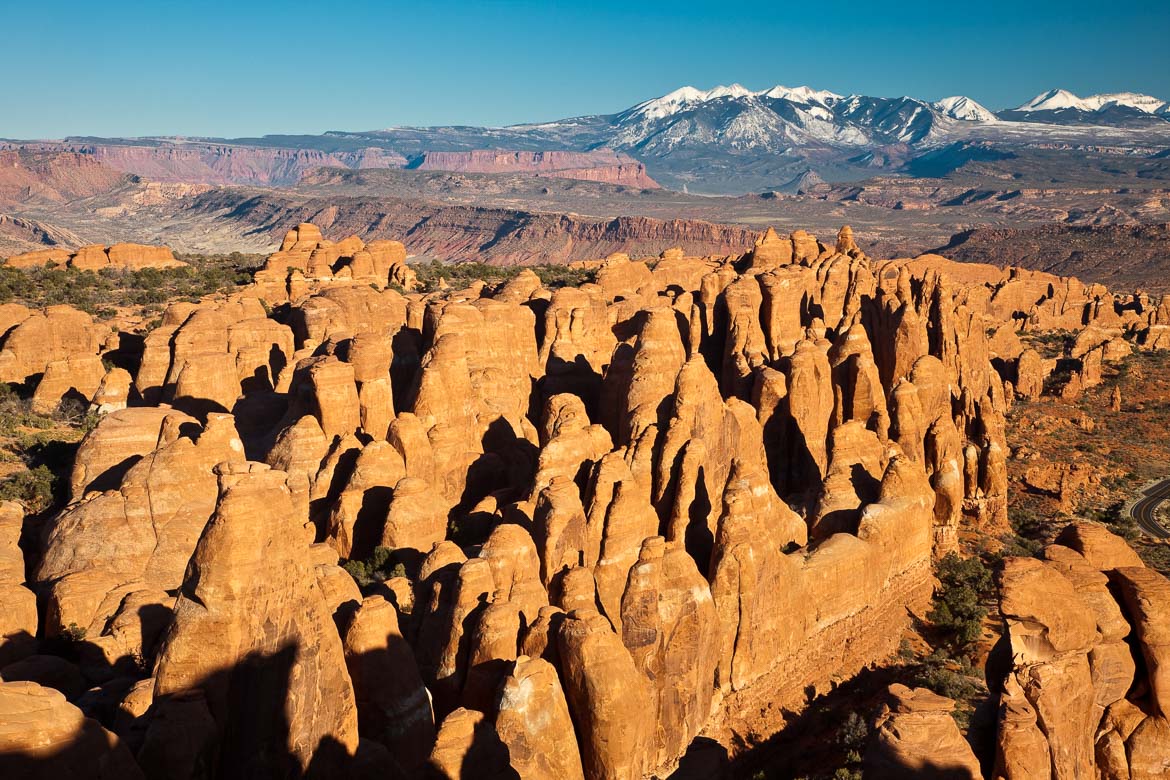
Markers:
point(801, 94)
point(782, 119)
point(1058, 99)
point(1147, 103)
point(684, 98)
point(688, 97)
point(965, 109)
point(1053, 100)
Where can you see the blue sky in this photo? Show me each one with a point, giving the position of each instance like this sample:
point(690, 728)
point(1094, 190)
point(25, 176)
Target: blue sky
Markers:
point(235, 69)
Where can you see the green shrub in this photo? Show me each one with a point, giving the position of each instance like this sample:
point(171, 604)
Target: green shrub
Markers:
point(73, 633)
point(958, 614)
point(854, 732)
point(379, 567)
point(99, 293)
point(463, 274)
point(34, 488)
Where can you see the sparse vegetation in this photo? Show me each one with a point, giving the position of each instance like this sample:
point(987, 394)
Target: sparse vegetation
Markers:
point(1118, 520)
point(73, 633)
point(958, 612)
point(464, 274)
point(33, 488)
point(1118, 451)
point(42, 445)
point(100, 293)
point(1050, 344)
point(852, 735)
point(951, 667)
point(379, 567)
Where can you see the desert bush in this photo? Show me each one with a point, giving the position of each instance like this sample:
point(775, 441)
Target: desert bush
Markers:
point(379, 567)
point(958, 613)
point(854, 732)
point(73, 633)
point(1051, 344)
point(463, 274)
point(44, 444)
point(34, 488)
point(98, 293)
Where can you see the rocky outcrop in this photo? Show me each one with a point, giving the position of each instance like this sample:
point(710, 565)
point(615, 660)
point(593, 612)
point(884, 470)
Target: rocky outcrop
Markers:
point(306, 260)
point(1082, 634)
point(533, 722)
point(34, 340)
point(253, 639)
point(118, 551)
point(393, 706)
point(95, 257)
point(43, 735)
point(607, 697)
point(18, 625)
point(915, 736)
point(584, 526)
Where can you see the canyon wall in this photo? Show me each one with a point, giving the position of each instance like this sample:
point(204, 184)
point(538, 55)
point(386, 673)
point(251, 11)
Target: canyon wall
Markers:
point(492, 235)
point(601, 166)
point(221, 163)
point(32, 176)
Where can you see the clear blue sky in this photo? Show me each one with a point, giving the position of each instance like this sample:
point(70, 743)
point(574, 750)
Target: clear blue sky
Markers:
point(228, 69)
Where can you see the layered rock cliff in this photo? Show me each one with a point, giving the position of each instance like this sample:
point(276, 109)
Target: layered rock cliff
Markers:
point(48, 175)
point(492, 235)
point(601, 166)
point(200, 162)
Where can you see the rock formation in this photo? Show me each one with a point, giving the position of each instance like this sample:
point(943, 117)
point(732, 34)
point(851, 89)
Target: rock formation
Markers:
point(1081, 631)
point(579, 527)
point(253, 637)
point(917, 737)
point(95, 257)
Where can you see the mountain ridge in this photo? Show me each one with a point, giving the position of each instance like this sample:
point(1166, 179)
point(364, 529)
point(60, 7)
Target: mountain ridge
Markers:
point(718, 141)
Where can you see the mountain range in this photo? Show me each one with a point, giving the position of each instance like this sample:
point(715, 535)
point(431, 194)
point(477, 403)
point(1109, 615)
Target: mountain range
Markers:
point(725, 140)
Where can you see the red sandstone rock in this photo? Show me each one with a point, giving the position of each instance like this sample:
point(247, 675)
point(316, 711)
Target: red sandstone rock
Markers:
point(916, 735)
point(256, 607)
point(42, 735)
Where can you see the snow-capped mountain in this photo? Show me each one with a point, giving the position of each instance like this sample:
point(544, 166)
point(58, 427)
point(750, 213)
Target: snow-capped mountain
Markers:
point(962, 107)
point(771, 119)
point(689, 97)
point(781, 118)
point(1060, 99)
point(735, 139)
point(682, 98)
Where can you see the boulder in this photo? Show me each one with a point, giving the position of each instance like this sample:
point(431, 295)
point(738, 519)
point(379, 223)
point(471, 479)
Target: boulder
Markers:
point(42, 735)
point(915, 736)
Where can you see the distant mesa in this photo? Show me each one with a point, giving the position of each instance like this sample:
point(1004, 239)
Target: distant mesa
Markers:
point(602, 165)
point(95, 257)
